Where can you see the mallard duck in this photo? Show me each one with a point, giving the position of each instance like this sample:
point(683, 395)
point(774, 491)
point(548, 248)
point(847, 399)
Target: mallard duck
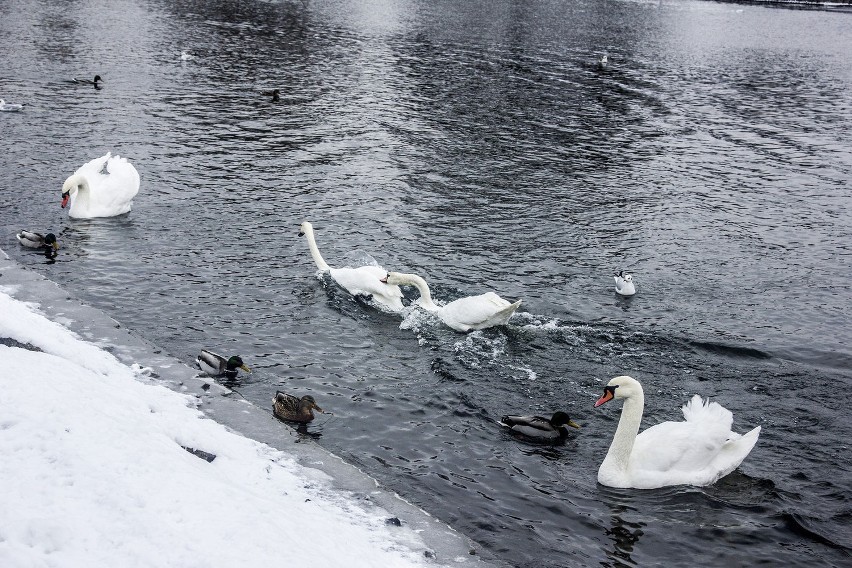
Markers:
point(274, 93)
point(538, 427)
point(624, 284)
point(288, 407)
point(94, 81)
point(217, 366)
point(37, 240)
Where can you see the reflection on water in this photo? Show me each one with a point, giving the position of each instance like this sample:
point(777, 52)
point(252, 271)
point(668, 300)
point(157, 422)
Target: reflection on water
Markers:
point(624, 536)
point(481, 146)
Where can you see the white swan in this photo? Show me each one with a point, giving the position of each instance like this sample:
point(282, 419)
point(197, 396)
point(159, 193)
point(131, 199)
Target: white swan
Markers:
point(624, 284)
point(699, 451)
point(10, 107)
point(103, 187)
point(464, 314)
point(361, 281)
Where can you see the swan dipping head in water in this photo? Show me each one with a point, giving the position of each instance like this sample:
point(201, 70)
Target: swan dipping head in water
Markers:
point(464, 314)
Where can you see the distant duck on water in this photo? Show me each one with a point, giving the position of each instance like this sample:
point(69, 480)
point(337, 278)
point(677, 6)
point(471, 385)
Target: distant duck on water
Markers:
point(94, 82)
point(217, 366)
point(540, 428)
point(274, 93)
point(37, 240)
point(288, 407)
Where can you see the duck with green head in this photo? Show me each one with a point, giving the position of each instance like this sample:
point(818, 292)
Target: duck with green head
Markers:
point(217, 366)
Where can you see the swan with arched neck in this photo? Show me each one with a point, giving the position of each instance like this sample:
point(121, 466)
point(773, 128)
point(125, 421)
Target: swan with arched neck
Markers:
point(361, 281)
point(103, 187)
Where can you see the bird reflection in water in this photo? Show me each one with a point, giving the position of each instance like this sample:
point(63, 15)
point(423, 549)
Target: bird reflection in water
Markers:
point(624, 536)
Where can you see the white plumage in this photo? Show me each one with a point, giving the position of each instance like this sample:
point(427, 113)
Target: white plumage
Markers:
point(465, 314)
point(103, 187)
point(697, 451)
point(624, 284)
point(360, 281)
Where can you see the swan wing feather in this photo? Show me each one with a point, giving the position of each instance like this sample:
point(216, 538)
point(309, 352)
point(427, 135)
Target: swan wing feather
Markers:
point(698, 451)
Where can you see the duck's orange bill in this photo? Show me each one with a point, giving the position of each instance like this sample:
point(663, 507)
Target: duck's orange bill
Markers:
point(607, 396)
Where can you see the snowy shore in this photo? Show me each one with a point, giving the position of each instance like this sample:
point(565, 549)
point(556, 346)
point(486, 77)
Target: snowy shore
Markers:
point(95, 471)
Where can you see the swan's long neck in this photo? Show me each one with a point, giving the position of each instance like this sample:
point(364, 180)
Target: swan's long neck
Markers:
point(425, 294)
point(315, 253)
point(81, 196)
point(619, 452)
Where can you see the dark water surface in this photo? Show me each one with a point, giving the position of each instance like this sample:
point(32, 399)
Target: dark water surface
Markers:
point(478, 144)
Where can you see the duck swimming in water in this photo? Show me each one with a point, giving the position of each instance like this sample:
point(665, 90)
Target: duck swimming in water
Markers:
point(274, 93)
point(288, 407)
point(540, 428)
point(37, 240)
point(217, 366)
point(94, 82)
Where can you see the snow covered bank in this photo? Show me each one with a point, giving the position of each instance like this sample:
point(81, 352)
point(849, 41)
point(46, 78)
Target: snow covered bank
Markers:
point(94, 472)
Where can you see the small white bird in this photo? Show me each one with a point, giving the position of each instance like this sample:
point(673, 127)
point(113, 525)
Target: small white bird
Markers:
point(624, 284)
point(603, 61)
point(186, 56)
point(10, 107)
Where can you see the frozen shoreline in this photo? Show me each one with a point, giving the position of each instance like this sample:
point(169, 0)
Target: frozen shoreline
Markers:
point(43, 365)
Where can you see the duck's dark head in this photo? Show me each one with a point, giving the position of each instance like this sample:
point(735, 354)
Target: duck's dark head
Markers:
point(50, 240)
point(235, 363)
point(97, 78)
point(562, 419)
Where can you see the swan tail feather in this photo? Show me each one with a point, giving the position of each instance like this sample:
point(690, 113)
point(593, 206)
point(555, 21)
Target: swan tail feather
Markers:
point(507, 312)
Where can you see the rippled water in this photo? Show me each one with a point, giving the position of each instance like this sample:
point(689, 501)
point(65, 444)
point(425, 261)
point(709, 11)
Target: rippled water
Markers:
point(477, 143)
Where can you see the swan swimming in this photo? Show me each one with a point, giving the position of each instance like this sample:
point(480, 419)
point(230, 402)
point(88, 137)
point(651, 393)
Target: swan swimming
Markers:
point(464, 314)
point(361, 281)
point(624, 284)
point(10, 107)
point(93, 193)
point(698, 451)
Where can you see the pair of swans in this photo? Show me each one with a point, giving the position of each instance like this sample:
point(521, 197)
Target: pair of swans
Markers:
point(103, 187)
point(464, 314)
point(698, 451)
